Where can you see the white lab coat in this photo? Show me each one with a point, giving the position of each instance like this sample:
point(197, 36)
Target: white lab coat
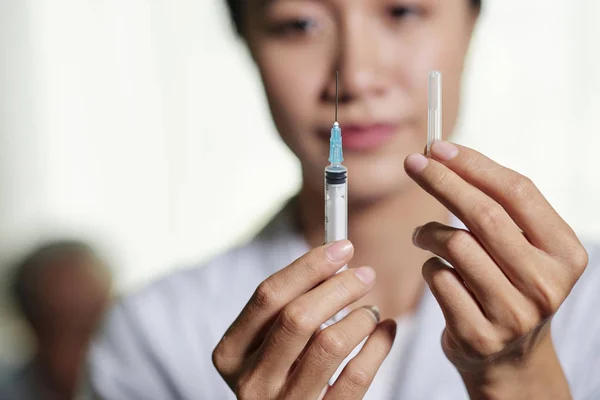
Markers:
point(157, 343)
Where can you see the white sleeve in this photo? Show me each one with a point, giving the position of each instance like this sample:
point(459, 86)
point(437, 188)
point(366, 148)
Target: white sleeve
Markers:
point(592, 354)
point(593, 388)
point(581, 316)
point(590, 385)
point(120, 364)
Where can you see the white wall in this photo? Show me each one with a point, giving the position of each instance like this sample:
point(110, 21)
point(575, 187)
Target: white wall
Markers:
point(126, 121)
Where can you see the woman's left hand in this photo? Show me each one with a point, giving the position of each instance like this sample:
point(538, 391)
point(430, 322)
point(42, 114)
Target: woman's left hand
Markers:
point(512, 270)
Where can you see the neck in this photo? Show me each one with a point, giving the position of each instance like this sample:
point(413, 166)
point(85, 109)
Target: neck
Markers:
point(381, 232)
point(51, 384)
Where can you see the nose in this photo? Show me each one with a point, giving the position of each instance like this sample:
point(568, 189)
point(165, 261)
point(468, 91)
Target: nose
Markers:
point(360, 59)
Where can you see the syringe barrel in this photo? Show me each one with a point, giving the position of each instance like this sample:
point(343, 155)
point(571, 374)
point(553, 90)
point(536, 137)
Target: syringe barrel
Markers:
point(336, 215)
point(336, 228)
point(336, 204)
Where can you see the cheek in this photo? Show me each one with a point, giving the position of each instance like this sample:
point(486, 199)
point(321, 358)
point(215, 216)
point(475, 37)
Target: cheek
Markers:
point(452, 60)
point(446, 54)
point(453, 69)
point(293, 78)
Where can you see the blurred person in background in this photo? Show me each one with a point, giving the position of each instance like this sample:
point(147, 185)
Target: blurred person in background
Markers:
point(62, 290)
point(513, 317)
point(5, 368)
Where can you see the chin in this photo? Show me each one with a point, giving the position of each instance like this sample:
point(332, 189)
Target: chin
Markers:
point(374, 178)
point(368, 191)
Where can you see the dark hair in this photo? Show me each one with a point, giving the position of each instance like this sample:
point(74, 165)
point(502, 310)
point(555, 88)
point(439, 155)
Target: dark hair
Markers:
point(235, 10)
point(27, 270)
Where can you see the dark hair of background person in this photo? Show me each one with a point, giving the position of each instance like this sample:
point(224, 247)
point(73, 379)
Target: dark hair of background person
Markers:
point(235, 10)
point(28, 270)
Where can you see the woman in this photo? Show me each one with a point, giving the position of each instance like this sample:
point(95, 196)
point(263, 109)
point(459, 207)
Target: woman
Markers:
point(513, 268)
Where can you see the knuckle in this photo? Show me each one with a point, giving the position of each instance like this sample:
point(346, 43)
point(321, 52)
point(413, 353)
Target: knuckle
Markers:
point(488, 216)
point(481, 342)
point(218, 355)
point(312, 262)
point(473, 163)
point(458, 243)
point(341, 286)
point(440, 181)
point(266, 295)
point(521, 321)
point(551, 301)
point(520, 187)
point(549, 297)
point(224, 362)
point(367, 318)
point(296, 320)
point(579, 258)
point(332, 343)
point(358, 377)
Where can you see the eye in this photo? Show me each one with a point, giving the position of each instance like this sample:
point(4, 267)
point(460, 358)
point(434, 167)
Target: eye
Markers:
point(401, 12)
point(296, 26)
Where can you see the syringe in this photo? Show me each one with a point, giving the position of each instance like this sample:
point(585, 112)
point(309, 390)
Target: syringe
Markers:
point(336, 210)
point(336, 194)
point(434, 123)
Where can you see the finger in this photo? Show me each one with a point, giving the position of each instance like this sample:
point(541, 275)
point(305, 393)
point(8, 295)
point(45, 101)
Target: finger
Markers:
point(303, 316)
point(356, 378)
point(486, 219)
point(329, 349)
point(464, 318)
point(303, 352)
point(515, 193)
point(244, 334)
point(488, 284)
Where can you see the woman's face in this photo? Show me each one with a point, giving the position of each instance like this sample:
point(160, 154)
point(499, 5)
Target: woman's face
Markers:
point(384, 50)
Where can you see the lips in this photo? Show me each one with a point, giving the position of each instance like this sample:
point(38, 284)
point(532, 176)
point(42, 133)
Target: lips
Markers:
point(366, 137)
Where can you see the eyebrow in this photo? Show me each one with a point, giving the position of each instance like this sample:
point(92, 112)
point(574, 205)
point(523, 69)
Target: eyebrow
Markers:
point(259, 6)
point(262, 4)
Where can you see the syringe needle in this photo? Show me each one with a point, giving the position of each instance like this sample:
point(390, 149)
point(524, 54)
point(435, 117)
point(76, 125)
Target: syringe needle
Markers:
point(336, 156)
point(336, 94)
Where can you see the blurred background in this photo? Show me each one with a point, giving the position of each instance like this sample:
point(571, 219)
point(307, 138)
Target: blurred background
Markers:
point(121, 123)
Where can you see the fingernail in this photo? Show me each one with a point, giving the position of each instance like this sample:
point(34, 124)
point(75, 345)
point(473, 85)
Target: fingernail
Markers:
point(444, 151)
point(365, 274)
point(414, 235)
point(338, 251)
point(416, 163)
point(375, 311)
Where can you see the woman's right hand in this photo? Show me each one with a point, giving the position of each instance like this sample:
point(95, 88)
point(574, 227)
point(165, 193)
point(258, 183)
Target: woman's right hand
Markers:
point(271, 350)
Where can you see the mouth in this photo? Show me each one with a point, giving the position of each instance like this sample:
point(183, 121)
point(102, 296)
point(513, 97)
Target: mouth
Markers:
point(360, 138)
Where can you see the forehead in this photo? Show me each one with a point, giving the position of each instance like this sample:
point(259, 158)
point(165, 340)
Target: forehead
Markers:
point(261, 8)
point(70, 279)
point(262, 4)
point(68, 268)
